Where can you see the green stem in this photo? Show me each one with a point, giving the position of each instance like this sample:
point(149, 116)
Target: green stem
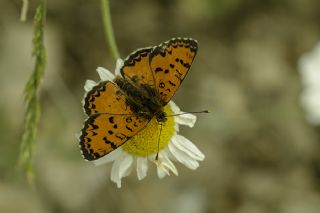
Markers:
point(108, 30)
point(24, 10)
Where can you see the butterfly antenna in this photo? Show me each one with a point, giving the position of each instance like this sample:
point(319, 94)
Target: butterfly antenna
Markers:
point(157, 156)
point(183, 113)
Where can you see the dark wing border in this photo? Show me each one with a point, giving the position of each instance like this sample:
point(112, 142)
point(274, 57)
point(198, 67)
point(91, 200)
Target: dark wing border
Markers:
point(134, 57)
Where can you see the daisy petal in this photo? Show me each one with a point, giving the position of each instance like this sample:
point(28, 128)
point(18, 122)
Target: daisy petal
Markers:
point(142, 167)
point(129, 170)
point(186, 119)
point(125, 165)
point(119, 65)
point(176, 126)
point(108, 158)
point(89, 85)
point(175, 109)
point(115, 173)
point(120, 166)
point(105, 75)
point(182, 157)
point(188, 147)
point(167, 163)
point(162, 172)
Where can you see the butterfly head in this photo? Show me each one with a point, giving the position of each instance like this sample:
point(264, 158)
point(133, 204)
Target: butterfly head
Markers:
point(161, 116)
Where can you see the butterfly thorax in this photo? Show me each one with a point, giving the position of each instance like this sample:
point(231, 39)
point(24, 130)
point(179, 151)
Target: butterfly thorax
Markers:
point(142, 99)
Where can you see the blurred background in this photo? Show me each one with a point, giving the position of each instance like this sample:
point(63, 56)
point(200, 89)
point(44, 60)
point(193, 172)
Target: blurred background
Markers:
point(262, 154)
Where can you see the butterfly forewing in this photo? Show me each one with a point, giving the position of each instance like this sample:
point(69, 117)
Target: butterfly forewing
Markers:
point(136, 67)
point(105, 97)
point(170, 63)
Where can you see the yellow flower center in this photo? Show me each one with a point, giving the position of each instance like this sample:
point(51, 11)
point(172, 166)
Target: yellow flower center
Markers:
point(146, 142)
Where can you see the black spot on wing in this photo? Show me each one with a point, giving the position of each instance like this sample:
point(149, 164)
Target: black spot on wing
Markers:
point(121, 136)
point(171, 83)
point(162, 85)
point(128, 128)
point(111, 119)
point(128, 119)
point(158, 69)
point(113, 145)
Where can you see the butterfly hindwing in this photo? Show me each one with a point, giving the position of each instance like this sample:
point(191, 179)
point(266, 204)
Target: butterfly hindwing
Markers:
point(136, 67)
point(103, 133)
point(170, 63)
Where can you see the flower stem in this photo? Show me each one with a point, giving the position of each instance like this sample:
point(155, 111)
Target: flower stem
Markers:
point(24, 10)
point(108, 30)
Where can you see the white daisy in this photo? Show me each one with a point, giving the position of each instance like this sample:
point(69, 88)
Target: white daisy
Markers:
point(309, 67)
point(144, 146)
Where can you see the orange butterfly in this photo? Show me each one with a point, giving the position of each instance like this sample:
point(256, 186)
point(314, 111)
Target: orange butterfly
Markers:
point(121, 108)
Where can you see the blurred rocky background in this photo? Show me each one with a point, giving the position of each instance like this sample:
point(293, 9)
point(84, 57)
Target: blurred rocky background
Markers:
point(262, 155)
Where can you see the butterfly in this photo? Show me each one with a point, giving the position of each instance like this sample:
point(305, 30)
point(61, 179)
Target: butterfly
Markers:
point(117, 110)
